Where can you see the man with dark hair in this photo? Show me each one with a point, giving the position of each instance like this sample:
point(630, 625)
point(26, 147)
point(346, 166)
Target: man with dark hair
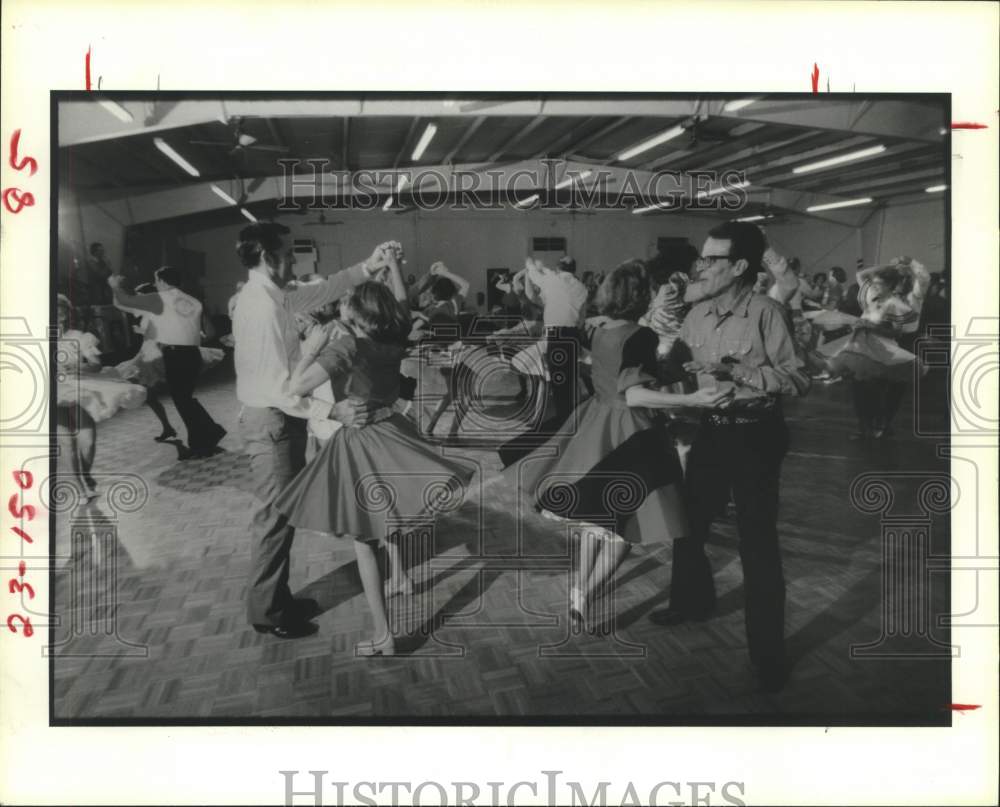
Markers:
point(176, 318)
point(567, 264)
point(737, 340)
point(272, 420)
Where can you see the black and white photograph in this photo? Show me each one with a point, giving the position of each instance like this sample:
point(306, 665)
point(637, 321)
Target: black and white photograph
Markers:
point(501, 408)
point(478, 403)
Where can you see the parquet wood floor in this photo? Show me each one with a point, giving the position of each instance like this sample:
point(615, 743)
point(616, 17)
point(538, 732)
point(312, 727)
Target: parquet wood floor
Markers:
point(152, 623)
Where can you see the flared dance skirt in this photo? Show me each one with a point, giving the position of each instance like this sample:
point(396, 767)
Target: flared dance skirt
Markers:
point(375, 482)
point(865, 355)
point(830, 320)
point(146, 366)
point(608, 463)
point(99, 396)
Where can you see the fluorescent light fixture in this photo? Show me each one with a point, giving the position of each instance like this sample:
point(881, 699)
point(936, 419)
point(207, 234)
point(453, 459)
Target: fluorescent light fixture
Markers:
point(570, 180)
point(162, 145)
point(662, 206)
point(527, 202)
point(400, 184)
point(651, 143)
point(936, 189)
point(722, 189)
point(116, 109)
point(248, 214)
point(754, 218)
point(843, 158)
point(229, 200)
point(835, 205)
point(424, 142)
point(733, 106)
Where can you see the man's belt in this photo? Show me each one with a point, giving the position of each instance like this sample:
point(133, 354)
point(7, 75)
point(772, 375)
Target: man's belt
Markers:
point(742, 419)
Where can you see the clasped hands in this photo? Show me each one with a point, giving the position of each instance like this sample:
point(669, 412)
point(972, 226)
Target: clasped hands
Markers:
point(723, 371)
point(385, 255)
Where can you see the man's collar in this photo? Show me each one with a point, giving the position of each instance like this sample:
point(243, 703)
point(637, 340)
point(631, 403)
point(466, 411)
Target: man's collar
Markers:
point(739, 306)
point(255, 278)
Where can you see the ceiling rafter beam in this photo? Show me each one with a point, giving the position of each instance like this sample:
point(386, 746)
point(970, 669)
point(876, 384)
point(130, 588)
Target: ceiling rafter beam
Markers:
point(272, 127)
point(345, 144)
point(518, 136)
point(467, 135)
point(587, 140)
point(552, 148)
point(407, 142)
point(780, 173)
point(902, 120)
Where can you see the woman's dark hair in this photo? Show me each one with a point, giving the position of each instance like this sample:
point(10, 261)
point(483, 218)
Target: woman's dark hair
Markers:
point(675, 258)
point(890, 277)
point(839, 274)
point(747, 243)
point(258, 240)
point(170, 275)
point(625, 292)
point(373, 310)
point(443, 289)
point(818, 276)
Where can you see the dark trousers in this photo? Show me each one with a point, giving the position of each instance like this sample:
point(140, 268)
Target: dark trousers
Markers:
point(745, 459)
point(562, 355)
point(182, 365)
point(876, 402)
point(276, 444)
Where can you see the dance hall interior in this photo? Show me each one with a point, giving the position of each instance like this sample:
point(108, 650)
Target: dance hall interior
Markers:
point(488, 408)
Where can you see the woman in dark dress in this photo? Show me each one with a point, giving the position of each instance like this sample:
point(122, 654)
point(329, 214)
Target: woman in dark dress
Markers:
point(564, 476)
point(380, 481)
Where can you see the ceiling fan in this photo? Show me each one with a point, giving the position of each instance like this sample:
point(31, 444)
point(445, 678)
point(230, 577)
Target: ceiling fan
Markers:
point(697, 133)
point(240, 141)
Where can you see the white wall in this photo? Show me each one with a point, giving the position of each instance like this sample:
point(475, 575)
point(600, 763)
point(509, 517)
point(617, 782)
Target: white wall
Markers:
point(916, 229)
point(474, 241)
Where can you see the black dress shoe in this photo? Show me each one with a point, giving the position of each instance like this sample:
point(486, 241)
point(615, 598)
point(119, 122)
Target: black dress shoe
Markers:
point(303, 609)
point(772, 677)
point(670, 616)
point(166, 435)
point(293, 630)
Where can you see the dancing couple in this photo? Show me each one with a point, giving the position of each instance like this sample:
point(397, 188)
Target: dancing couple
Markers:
point(339, 491)
point(739, 347)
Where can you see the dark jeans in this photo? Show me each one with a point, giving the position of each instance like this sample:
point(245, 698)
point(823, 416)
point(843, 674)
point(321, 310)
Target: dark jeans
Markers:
point(181, 365)
point(276, 444)
point(746, 460)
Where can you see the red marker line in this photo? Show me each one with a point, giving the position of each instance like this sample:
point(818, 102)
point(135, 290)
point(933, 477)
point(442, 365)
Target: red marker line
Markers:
point(87, 66)
point(815, 78)
point(962, 125)
point(964, 707)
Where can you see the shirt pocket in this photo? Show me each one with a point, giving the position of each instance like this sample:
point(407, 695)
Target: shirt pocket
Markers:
point(737, 344)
